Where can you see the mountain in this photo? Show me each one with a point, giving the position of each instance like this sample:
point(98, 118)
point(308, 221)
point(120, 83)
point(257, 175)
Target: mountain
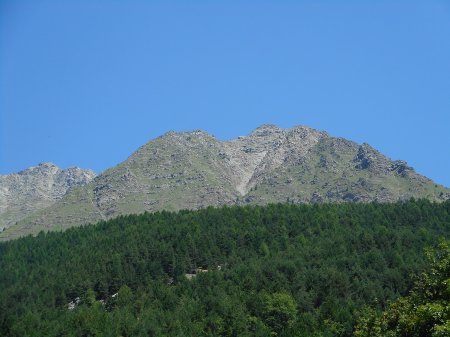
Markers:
point(190, 170)
point(36, 188)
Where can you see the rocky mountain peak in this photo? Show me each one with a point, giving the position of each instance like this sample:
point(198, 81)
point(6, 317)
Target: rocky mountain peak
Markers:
point(182, 135)
point(189, 170)
point(265, 130)
point(47, 165)
point(306, 131)
point(41, 168)
point(36, 187)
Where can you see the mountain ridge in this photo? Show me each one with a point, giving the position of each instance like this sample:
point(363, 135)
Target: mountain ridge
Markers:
point(191, 170)
point(35, 188)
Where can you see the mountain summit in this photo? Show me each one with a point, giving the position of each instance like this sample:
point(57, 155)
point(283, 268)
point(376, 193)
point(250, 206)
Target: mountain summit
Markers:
point(190, 170)
point(36, 188)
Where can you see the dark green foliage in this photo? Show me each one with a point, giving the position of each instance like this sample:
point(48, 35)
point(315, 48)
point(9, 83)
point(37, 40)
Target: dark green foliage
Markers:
point(286, 270)
point(425, 312)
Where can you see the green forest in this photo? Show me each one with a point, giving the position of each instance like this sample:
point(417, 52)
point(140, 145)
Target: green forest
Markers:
point(277, 270)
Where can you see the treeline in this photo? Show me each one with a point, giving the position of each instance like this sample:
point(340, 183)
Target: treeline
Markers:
point(285, 270)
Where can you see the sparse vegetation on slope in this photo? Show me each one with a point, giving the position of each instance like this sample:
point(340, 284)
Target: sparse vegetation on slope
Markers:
point(191, 170)
point(36, 188)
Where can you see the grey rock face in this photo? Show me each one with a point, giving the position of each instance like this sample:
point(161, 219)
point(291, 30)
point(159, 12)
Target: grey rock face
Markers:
point(36, 188)
point(190, 170)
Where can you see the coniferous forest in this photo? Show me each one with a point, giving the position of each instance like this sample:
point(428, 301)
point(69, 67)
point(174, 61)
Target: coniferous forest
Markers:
point(276, 270)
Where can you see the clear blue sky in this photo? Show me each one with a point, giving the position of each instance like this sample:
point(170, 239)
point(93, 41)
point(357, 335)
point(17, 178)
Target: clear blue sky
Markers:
point(85, 83)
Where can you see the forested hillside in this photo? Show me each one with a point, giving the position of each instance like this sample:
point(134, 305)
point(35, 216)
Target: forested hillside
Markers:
point(281, 269)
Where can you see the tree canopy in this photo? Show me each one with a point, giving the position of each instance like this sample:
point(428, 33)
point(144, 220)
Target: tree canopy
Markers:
point(281, 269)
point(424, 312)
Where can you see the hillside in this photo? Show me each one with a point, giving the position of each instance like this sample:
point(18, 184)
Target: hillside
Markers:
point(36, 188)
point(293, 270)
point(191, 170)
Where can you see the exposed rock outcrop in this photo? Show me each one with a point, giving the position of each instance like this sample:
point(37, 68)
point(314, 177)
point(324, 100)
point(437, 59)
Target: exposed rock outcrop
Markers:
point(36, 188)
point(189, 170)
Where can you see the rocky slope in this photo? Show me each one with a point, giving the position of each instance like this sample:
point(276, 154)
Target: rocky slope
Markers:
point(36, 188)
point(190, 170)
